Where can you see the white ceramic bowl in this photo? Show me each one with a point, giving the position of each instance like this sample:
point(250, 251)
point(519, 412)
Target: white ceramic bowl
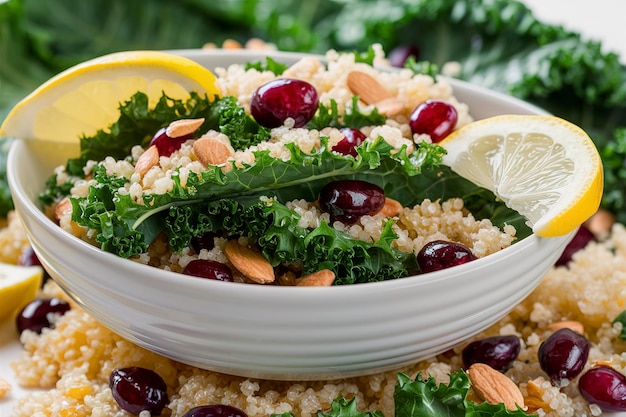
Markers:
point(282, 332)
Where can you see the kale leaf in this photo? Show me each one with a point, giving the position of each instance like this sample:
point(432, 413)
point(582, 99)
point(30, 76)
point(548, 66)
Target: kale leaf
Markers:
point(426, 398)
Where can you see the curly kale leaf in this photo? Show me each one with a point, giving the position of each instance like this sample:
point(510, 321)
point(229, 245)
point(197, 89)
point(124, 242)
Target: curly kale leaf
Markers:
point(329, 116)
point(269, 65)
point(274, 229)
point(426, 398)
point(232, 120)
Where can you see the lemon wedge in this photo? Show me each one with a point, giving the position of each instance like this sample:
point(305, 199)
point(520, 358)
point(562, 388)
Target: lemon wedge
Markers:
point(18, 286)
point(86, 97)
point(544, 167)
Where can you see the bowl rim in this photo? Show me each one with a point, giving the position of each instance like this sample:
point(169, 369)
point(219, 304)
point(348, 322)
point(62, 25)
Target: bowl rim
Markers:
point(170, 278)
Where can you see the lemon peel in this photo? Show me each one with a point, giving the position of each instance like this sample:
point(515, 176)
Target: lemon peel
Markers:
point(544, 167)
point(18, 286)
point(85, 98)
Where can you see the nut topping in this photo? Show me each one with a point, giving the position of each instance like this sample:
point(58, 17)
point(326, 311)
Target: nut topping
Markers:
point(322, 278)
point(569, 324)
point(250, 262)
point(370, 91)
point(495, 387)
point(391, 208)
point(212, 151)
point(147, 160)
point(183, 127)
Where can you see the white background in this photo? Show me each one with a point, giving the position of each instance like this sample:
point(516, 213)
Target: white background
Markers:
point(602, 20)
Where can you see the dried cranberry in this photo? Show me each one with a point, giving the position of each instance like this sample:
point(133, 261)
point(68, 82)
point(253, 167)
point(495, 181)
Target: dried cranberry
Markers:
point(605, 387)
point(434, 118)
point(28, 257)
point(349, 200)
point(563, 355)
point(216, 410)
point(499, 352)
point(138, 389)
point(399, 55)
point(441, 254)
point(203, 241)
point(283, 98)
point(167, 145)
point(351, 139)
point(206, 268)
point(37, 314)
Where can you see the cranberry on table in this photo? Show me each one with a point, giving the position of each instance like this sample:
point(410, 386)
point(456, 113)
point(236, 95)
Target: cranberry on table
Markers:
point(283, 98)
point(349, 200)
point(137, 389)
point(499, 352)
point(563, 355)
point(28, 257)
point(582, 237)
point(605, 387)
point(351, 139)
point(434, 118)
point(215, 410)
point(36, 315)
point(441, 254)
point(210, 269)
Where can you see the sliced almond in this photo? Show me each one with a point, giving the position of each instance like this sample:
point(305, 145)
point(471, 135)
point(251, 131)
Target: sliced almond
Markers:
point(322, 278)
point(390, 106)
point(392, 208)
point(534, 400)
point(567, 324)
point(370, 91)
point(147, 160)
point(211, 151)
point(183, 127)
point(495, 387)
point(250, 262)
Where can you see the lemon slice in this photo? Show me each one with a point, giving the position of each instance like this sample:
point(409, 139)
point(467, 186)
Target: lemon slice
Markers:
point(18, 286)
point(544, 167)
point(86, 97)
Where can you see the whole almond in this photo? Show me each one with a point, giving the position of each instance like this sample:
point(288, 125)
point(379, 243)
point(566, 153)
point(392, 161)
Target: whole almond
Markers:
point(321, 278)
point(250, 262)
point(211, 151)
point(391, 208)
point(495, 387)
point(369, 90)
point(147, 160)
point(567, 324)
point(390, 106)
point(183, 127)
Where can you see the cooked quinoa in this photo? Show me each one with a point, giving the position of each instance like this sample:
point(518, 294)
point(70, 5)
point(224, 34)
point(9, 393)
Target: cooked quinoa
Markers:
point(72, 362)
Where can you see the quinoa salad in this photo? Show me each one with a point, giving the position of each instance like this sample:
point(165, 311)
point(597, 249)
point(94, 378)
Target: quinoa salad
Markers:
point(310, 136)
point(77, 367)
